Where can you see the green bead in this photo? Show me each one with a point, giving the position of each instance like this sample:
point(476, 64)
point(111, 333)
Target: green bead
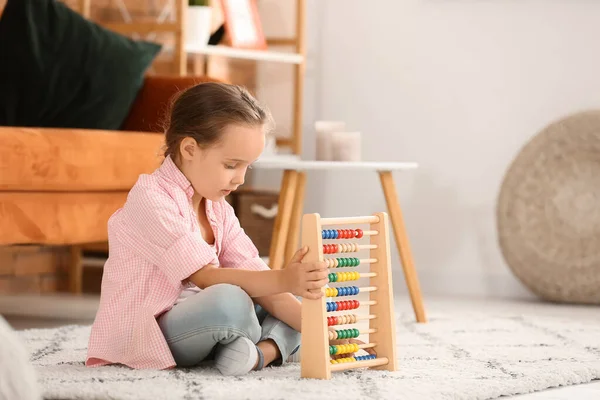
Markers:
point(356, 333)
point(339, 262)
point(342, 262)
point(356, 262)
point(331, 350)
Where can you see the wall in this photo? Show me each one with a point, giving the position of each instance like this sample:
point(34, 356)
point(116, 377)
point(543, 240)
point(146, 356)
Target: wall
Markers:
point(458, 86)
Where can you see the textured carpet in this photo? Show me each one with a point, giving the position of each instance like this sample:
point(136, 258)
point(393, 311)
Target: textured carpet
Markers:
point(475, 356)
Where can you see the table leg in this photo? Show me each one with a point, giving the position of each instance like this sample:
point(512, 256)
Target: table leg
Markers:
point(282, 220)
point(294, 231)
point(402, 243)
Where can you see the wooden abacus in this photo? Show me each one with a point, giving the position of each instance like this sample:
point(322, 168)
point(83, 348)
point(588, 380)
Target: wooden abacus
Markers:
point(315, 356)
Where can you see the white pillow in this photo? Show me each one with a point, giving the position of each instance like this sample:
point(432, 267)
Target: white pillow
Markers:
point(17, 376)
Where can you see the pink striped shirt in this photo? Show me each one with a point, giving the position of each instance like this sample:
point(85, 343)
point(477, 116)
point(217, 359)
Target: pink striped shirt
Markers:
point(155, 244)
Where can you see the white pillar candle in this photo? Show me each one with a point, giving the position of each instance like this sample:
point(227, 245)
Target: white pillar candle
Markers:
point(346, 146)
point(324, 129)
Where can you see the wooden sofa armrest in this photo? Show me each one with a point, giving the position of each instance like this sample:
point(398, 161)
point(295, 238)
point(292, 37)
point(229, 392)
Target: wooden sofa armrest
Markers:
point(149, 109)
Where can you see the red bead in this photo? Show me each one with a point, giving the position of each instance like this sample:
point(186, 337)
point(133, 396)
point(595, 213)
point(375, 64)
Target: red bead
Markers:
point(359, 233)
point(335, 320)
point(335, 248)
point(328, 249)
point(342, 305)
point(348, 305)
point(349, 234)
point(355, 304)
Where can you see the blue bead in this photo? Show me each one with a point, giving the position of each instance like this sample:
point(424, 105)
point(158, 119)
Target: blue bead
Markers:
point(329, 234)
point(356, 290)
point(334, 233)
point(328, 305)
point(322, 234)
point(334, 306)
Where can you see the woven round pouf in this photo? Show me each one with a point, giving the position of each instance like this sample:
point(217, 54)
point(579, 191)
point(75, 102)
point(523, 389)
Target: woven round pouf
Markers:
point(548, 211)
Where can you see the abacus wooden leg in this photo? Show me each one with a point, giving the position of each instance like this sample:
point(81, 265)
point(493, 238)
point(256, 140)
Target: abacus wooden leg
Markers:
point(314, 342)
point(282, 220)
point(294, 230)
point(402, 243)
point(384, 325)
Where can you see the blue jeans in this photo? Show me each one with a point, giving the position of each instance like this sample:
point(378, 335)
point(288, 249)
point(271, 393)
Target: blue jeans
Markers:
point(216, 316)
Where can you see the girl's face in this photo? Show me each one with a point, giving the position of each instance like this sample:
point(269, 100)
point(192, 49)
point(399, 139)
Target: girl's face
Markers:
point(216, 171)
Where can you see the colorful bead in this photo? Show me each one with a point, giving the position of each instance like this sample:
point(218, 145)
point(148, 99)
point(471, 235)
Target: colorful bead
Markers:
point(366, 357)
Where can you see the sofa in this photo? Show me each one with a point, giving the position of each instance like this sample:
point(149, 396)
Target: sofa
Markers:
point(59, 186)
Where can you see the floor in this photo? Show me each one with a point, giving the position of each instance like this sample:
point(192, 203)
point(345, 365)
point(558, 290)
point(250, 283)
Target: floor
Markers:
point(67, 310)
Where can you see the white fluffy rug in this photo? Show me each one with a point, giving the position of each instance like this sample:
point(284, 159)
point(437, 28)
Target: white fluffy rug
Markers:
point(458, 356)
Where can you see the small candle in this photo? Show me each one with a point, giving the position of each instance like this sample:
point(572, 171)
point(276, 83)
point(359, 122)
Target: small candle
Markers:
point(324, 129)
point(346, 146)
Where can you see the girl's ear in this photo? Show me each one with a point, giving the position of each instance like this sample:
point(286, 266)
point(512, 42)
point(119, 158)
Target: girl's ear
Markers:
point(188, 148)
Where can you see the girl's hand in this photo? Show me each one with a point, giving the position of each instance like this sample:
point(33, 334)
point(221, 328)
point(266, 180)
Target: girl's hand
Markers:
point(348, 341)
point(305, 279)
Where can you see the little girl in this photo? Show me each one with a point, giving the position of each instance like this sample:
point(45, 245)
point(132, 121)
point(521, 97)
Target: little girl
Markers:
point(183, 283)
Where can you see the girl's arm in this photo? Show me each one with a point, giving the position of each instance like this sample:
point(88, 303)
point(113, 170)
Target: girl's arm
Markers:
point(255, 283)
point(298, 278)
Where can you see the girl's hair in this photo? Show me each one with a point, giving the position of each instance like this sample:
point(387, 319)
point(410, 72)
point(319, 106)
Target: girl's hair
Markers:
point(204, 110)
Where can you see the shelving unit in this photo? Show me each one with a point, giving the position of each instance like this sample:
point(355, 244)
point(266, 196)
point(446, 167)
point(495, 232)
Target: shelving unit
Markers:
point(296, 58)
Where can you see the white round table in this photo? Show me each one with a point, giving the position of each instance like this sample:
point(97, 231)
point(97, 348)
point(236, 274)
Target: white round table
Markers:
point(286, 231)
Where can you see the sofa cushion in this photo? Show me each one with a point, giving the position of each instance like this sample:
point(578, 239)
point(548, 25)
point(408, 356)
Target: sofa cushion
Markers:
point(149, 111)
point(60, 70)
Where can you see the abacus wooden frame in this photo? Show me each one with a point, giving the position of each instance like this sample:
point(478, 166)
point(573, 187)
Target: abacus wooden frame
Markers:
point(314, 347)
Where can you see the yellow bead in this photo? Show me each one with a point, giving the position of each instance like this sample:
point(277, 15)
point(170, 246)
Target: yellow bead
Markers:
point(334, 361)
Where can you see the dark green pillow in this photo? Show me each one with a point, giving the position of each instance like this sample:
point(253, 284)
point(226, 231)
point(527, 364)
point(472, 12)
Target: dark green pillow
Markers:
point(58, 69)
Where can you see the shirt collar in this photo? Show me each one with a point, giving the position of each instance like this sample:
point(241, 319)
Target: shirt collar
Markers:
point(170, 171)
